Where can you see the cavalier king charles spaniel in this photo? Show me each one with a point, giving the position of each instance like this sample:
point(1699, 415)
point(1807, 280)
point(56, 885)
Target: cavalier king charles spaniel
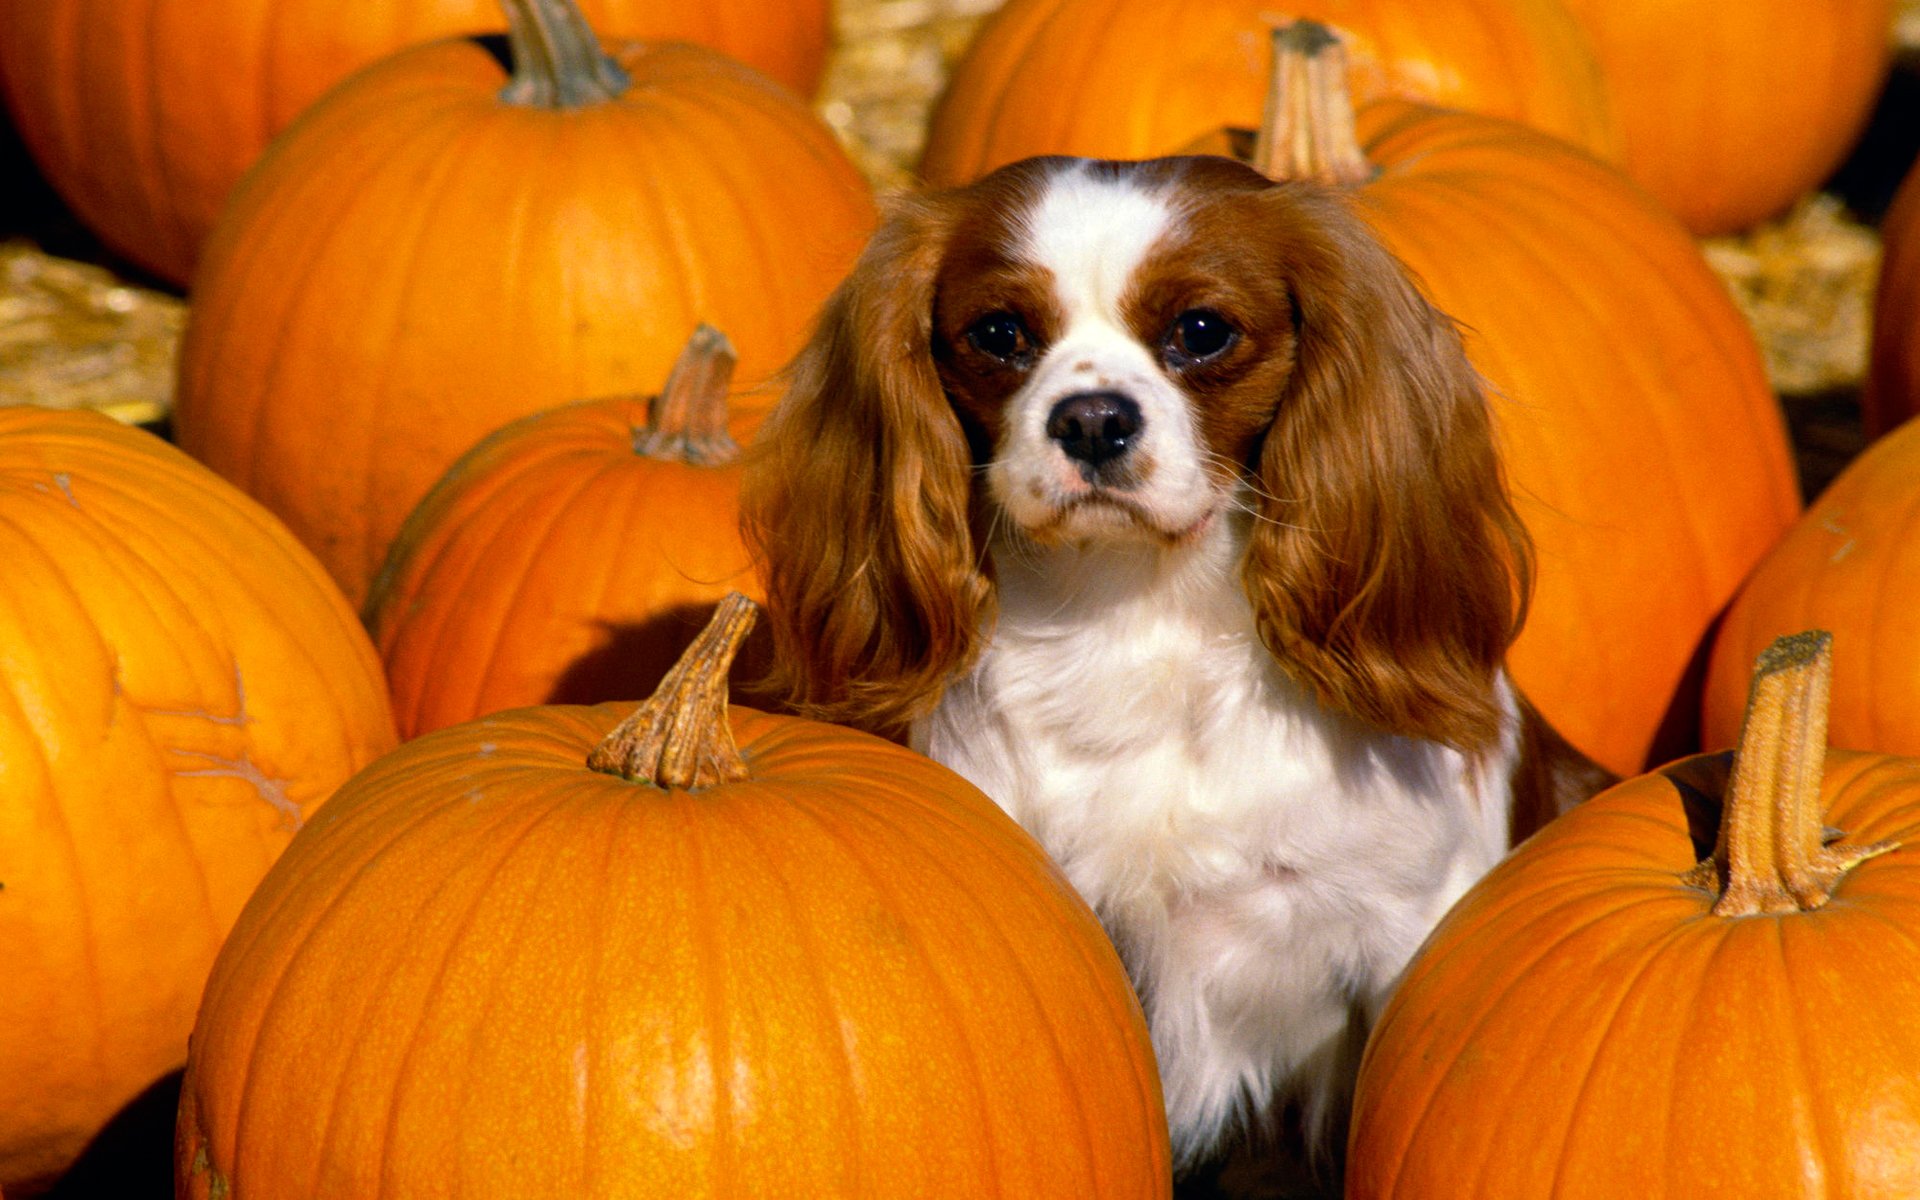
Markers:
point(1154, 499)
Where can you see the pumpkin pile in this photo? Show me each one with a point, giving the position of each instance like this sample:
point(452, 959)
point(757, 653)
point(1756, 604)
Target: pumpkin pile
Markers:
point(1893, 376)
point(470, 284)
point(1728, 113)
point(1705, 976)
point(1851, 565)
point(442, 245)
point(570, 556)
point(681, 950)
point(1147, 85)
point(1615, 359)
point(146, 113)
point(181, 686)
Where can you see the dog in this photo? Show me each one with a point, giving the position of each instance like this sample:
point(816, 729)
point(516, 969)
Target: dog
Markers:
point(1154, 499)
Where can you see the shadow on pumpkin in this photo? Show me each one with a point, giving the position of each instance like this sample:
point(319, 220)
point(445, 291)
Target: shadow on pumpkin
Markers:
point(633, 656)
point(131, 1158)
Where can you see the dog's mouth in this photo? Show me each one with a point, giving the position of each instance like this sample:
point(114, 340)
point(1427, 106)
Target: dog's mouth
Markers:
point(1090, 514)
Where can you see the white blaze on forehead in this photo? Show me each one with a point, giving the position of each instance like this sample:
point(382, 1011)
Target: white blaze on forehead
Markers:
point(1092, 231)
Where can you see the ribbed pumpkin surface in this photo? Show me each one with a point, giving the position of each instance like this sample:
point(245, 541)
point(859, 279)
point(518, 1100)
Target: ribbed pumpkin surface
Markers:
point(419, 263)
point(1892, 392)
point(1851, 566)
point(1582, 1026)
point(180, 686)
point(1730, 112)
point(1139, 78)
point(145, 113)
point(555, 563)
point(1642, 442)
point(848, 975)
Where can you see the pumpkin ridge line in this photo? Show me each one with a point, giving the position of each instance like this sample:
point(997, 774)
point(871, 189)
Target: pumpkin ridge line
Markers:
point(1519, 977)
point(483, 889)
point(556, 507)
point(810, 958)
point(1021, 966)
point(941, 991)
point(361, 860)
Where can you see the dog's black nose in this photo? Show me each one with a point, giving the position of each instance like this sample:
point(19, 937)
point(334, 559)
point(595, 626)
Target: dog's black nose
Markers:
point(1094, 427)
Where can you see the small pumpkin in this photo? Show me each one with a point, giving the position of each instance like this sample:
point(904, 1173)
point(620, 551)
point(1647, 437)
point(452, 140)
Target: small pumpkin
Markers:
point(680, 951)
point(1640, 436)
point(428, 257)
point(1892, 391)
point(1690, 980)
point(1140, 78)
point(1729, 113)
point(181, 686)
point(1850, 565)
point(146, 113)
point(569, 557)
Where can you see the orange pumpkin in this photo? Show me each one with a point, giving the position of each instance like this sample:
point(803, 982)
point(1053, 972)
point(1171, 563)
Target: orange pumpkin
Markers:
point(1640, 436)
point(568, 558)
point(1730, 112)
point(145, 113)
point(1139, 78)
point(180, 686)
point(738, 955)
point(1892, 392)
point(1850, 565)
point(1634, 1005)
point(426, 258)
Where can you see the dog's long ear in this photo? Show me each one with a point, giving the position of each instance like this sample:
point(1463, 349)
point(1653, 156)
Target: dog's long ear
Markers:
point(1390, 572)
point(857, 500)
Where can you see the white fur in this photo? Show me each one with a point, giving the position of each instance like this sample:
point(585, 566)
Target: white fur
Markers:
point(1265, 867)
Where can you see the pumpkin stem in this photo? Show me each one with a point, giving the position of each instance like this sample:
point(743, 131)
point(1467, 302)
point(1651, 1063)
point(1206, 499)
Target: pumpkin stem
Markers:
point(1307, 129)
point(687, 421)
point(1774, 854)
point(557, 60)
point(680, 736)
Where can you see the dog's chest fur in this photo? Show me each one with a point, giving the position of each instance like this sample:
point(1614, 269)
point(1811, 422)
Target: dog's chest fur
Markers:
point(1265, 867)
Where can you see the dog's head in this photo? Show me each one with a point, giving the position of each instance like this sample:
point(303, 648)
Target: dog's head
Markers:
point(1072, 351)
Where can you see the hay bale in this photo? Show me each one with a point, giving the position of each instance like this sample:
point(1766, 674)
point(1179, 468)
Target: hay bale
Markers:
point(74, 335)
point(891, 60)
point(1805, 283)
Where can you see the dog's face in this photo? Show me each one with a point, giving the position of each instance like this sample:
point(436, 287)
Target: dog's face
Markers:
point(1114, 345)
point(1114, 353)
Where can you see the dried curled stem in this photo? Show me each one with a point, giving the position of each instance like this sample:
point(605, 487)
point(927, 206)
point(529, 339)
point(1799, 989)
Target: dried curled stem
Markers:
point(687, 421)
point(1774, 853)
point(680, 736)
point(557, 60)
point(1307, 130)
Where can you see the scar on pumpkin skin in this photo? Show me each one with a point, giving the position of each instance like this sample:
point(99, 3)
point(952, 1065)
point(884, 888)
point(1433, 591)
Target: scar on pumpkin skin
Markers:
point(239, 717)
point(1838, 530)
point(270, 789)
point(217, 1186)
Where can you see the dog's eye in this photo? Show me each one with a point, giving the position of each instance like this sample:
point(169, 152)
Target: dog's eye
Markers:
point(1000, 335)
point(1197, 335)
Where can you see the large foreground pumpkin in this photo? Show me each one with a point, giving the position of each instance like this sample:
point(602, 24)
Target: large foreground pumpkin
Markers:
point(426, 258)
point(145, 113)
point(739, 955)
point(1635, 1005)
point(1139, 78)
point(1730, 112)
point(180, 686)
point(1641, 439)
point(1851, 565)
point(569, 557)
